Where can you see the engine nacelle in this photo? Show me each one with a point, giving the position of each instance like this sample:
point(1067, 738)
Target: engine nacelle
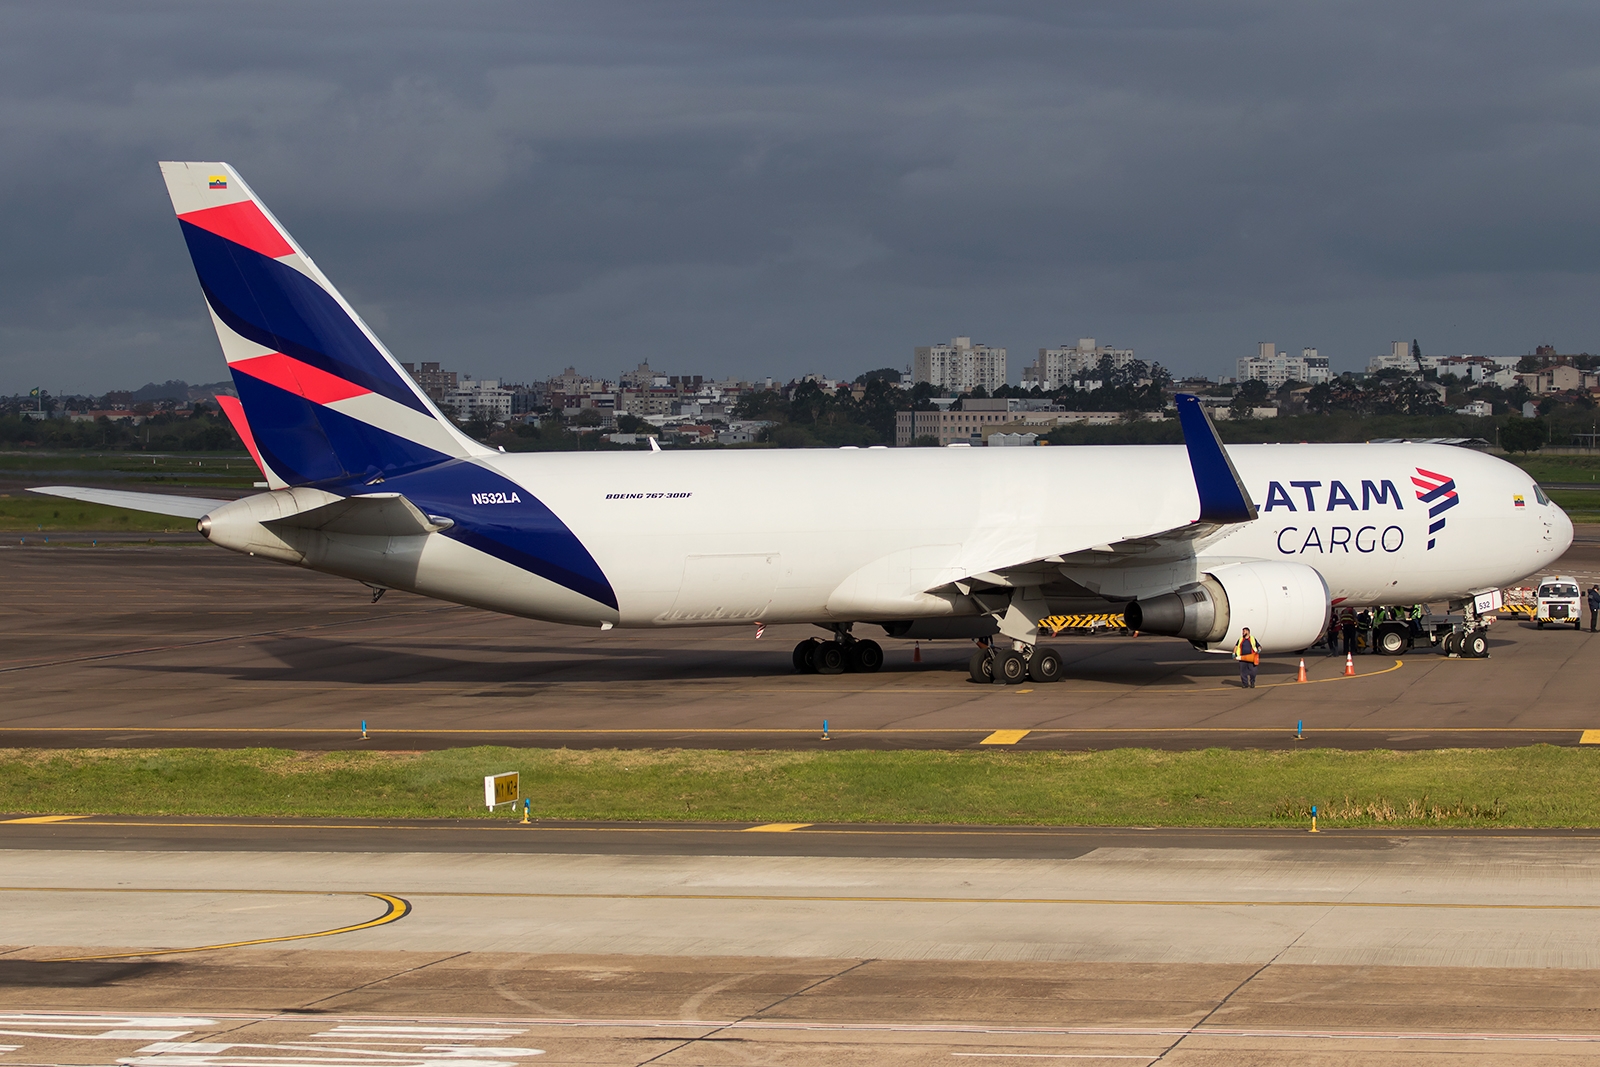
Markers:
point(1284, 604)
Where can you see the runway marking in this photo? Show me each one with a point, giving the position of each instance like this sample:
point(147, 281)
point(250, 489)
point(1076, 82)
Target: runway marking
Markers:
point(775, 828)
point(734, 688)
point(400, 908)
point(1590, 737)
point(396, 910)
point(804, 732)
point(1005, 737)
point(869, 1027)
point(1265, 833)
point(45, 819)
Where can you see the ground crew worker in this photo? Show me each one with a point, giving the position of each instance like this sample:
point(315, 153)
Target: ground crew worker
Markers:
point(1347, 627)
point(1364, 624)
point(1248, 653)
point(1594, 606)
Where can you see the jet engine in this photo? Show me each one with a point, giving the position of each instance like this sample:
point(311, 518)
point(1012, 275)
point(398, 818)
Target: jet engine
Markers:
point(1284, 604)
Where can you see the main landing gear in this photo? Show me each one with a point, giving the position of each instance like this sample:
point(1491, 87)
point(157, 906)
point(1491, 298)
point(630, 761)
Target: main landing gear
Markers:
point(1009, 666)
point(817, 655)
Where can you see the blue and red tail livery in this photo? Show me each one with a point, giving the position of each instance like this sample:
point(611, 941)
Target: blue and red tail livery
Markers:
point(325, 402)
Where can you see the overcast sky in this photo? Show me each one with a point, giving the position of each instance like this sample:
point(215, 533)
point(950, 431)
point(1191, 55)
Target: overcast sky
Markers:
point(759, 189)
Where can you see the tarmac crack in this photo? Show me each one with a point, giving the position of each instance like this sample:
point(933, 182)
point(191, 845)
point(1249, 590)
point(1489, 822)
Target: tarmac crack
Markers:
point(711, 1035)
point(386, 978)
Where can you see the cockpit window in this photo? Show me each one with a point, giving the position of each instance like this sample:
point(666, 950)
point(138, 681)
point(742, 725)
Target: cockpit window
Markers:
point(1538, 494)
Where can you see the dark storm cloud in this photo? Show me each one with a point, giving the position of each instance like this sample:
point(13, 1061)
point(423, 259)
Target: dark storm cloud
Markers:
point(762, 189)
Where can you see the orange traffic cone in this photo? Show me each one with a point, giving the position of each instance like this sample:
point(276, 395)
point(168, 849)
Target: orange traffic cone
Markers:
point(1349, 665)
point(1302, 671)
point(916, 653)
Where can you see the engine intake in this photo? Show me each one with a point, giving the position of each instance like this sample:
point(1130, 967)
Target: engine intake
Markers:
point(1285, 605)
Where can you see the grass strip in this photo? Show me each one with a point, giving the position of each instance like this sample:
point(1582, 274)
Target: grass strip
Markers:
point(31, 513)
point(1539, 786)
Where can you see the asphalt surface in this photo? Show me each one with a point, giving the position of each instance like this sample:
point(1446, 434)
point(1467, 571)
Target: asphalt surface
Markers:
point(141, 646)
point(115, 833)
point(1186, 948)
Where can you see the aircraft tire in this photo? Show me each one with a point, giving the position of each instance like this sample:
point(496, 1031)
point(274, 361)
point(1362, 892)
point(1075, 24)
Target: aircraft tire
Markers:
point(1451, 644)
point(1391, 641)
point(828, 658)
point(1044, 665)
point(981, 666)
point(1009, 667)
point(802, 657)
point(1475, 645)
point(864, 657)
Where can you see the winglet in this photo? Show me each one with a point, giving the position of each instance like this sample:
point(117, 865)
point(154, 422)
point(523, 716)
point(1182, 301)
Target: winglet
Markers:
point(1223, 497)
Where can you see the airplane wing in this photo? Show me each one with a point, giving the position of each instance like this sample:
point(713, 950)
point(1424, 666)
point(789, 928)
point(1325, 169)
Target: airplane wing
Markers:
point(1224, 502)
point(189, 507)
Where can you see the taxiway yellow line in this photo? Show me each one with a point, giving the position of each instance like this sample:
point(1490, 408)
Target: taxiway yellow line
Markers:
point(397, 909)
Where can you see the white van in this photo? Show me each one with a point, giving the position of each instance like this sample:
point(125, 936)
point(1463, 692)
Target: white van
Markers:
point(1559, 601)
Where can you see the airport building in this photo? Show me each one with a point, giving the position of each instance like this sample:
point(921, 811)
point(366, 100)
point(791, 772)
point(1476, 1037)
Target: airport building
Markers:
point(960, 366)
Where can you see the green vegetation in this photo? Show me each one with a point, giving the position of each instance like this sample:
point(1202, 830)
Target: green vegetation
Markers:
point(206, 431)
point(1545, 468)
point(31, 513)
point(1538, 786)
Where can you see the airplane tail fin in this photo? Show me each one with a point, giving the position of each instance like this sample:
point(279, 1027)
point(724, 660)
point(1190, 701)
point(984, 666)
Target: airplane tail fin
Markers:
point(322, 399)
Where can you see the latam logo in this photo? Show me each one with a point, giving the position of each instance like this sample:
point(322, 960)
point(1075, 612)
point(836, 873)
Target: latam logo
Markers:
point(496, 498)
point(1332, 495)
point(1438, 491)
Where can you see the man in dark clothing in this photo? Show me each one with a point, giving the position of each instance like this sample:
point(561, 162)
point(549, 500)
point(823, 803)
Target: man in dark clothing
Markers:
point(1594, 606)
point(1248, 653)
point(1364, 624)
point(1347, 627)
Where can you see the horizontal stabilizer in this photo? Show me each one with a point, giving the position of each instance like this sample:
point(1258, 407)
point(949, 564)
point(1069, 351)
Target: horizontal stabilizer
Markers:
point(189, 507)
point(370, 515)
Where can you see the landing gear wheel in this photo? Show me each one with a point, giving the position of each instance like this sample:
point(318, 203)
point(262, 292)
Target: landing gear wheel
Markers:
point(864, 657)
point(981, 666)
point(1045, 665)
point(1391, 642)
point(828, 658)
point(802, 657)
point(1009, 667)
point(1451, 645)
point(1475, 646)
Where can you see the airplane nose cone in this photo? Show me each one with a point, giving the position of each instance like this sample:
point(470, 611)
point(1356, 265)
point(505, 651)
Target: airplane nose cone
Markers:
point(1562, 531)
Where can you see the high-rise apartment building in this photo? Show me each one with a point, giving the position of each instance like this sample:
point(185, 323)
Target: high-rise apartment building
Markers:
point(433, 381)
point(960, 366)
point(1275, 368)
point(1057, 367)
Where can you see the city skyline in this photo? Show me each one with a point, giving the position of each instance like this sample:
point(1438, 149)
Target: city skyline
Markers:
point(776, 191)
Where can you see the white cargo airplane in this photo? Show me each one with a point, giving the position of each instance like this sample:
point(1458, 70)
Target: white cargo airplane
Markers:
point(369, 481)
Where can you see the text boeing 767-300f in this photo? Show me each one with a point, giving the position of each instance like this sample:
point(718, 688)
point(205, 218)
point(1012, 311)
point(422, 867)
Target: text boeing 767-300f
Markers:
point(369, 481)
